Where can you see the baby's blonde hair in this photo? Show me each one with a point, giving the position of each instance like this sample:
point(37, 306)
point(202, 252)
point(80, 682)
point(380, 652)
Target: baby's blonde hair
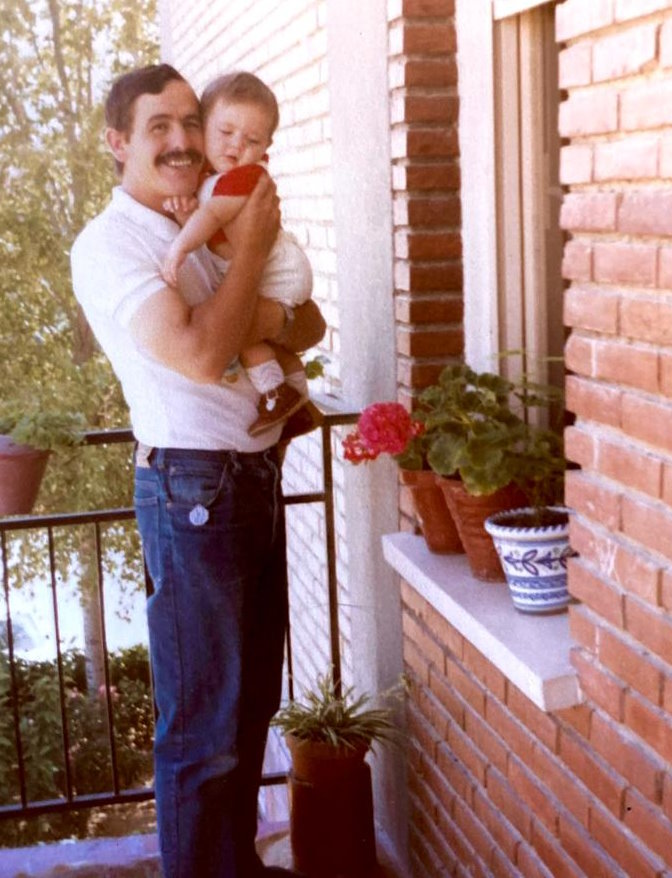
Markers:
point(240, 88)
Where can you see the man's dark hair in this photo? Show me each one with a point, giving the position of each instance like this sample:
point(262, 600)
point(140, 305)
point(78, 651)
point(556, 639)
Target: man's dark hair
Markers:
point(240, 88)
point(129, 87)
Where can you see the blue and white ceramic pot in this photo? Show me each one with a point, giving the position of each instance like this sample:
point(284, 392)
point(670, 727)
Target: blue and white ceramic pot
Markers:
point(533, 557)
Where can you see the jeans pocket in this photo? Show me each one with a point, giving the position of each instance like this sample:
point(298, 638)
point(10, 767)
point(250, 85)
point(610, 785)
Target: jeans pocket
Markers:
point(188, 486)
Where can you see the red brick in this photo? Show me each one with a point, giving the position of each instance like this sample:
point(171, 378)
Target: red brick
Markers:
point(409, 178)
point(576, 164)
point(424, 641)
point(413, 244)
point(594, 772)
point(630, 466)
point(423, 142)
point(543, 726)
point(580, 447)
point(646, 319)
point(489, 743)
point(532, 791)
point(468, 754)
point(652, 627)
point(576, 17)
point(427, 39)
point(454, 772)
point(550, 850)
point(420, 8)
point(665, 268)
point(422, 732)
point(591, 308)
point(580, 354)
point(507, 727)
point(429, 277)
point(647, 419)
point(667, 794)
point(415, 661)
point(589, 211)
point(423, 72)
point(645, 213)
point(508, 802)
point(485, 671)
point(577, 717)
point(427, 210)
point(593, 402)
point(665, 159)
point(638, 573)
point(472, 692)
point(666, 373)
point(577, 261)
point(647, 106)
point(650, 723)
point(434, 108)
point(561, 783)
point(575, 65)
point(433, 712)
point(630, 159)
point(625, 264)
point(419, 343)
point(590, 111)
point(414, 309)
point(624, 53)
point(666, 590)
point(582, 848)
point(649, 524)
point(593, 498)
point(596, 592)
point(582, 626)
point(496, 823)
point(474, 831)
point(632, 760)
point(631, 665)
point(609, 833)
point(530, 864)
point(649, 825)
point(627, 363)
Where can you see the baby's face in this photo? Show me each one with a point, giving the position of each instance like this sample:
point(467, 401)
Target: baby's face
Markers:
point(236, 134)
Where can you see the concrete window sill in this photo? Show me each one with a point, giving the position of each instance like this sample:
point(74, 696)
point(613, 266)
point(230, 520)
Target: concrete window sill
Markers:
point(531, 651)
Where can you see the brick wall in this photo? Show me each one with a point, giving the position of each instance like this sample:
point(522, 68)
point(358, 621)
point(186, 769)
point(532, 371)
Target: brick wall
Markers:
point(426, 192)
point(497, 786)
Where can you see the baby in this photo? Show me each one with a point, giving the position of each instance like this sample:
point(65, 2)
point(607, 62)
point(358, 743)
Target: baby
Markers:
point(240, 115)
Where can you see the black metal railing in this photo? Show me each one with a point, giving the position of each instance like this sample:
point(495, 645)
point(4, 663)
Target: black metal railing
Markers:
point(19, 804)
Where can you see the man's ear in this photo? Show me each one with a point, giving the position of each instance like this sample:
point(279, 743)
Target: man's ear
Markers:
point(116, 143)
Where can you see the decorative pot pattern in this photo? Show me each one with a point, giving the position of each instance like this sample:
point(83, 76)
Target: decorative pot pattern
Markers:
point(534, 560)
point(431, 509)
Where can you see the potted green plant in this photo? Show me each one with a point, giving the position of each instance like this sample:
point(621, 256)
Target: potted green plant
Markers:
point(388, 428)
point(489, 454)
point(328, 734)
point(28, 435)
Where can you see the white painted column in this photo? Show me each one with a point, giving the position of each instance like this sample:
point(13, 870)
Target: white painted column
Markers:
point(359, 101)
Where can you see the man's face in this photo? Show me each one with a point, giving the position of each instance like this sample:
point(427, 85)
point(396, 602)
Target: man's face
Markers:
point(163, 153)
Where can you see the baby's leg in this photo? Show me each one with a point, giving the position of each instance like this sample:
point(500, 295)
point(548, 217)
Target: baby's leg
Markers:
point(278, 398)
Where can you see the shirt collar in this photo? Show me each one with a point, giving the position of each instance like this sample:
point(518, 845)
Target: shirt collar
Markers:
point(160, 225)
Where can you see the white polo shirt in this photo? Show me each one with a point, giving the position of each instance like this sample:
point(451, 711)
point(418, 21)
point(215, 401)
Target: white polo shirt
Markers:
point(116, 266)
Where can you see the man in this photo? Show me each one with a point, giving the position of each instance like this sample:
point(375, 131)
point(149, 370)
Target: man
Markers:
point(208, 496)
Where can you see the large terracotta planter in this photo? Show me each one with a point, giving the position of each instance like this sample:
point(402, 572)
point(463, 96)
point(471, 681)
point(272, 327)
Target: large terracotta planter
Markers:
point(469, 513)
point(21, 471)
point(331, 810)
point(431, 509)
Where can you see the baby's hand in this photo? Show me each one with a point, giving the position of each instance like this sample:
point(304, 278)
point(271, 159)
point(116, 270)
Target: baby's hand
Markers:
point(172, 263)
point(181, 206)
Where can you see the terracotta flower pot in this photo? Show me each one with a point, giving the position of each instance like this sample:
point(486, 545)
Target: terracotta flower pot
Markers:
point(469, 513)
point(331, 810)
point(431, 509)
point(21, 471)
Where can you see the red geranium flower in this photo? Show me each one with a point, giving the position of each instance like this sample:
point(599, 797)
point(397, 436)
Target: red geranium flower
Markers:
point(382, 428)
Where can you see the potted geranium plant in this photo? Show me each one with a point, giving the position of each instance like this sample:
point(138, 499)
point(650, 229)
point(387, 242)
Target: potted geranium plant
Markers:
point(28, 435)
point(388, 428)
point(328, 734)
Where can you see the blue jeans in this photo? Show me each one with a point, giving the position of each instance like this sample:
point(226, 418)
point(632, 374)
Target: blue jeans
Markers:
point(213, 533)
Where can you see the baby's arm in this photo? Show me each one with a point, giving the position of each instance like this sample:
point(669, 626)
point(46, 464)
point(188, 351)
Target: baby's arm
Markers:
point(199, 228)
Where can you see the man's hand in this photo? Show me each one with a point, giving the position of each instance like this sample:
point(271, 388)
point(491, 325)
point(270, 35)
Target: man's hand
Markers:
point(256, 226)
point(181, 206)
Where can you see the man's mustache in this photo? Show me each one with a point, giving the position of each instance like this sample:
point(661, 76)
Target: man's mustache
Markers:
point(193, 155)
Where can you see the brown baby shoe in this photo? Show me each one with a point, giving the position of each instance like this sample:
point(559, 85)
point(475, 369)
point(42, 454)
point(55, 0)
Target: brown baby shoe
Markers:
point(275, 407)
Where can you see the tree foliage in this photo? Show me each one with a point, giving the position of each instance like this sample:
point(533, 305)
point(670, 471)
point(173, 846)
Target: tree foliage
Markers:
point(57, 59)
